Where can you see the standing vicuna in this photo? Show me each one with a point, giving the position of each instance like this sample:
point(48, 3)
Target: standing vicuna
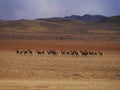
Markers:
point(100, 53)
point(17, 51)
point(30, 52)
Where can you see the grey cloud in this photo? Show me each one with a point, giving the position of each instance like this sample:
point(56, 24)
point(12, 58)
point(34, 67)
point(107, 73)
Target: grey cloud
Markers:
point(10, 8)
point(32, 9)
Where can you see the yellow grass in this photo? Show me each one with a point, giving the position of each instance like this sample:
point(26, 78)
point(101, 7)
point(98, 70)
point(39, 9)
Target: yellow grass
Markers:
point(59, 85)
point(102, 31)
point(19, 72)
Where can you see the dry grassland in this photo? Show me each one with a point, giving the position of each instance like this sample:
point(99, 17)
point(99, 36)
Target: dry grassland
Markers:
point(59, 85)
point(32, 72)
point(59, 73)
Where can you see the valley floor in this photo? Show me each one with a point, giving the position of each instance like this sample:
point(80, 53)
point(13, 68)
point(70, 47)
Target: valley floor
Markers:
point(60, 85)
point(33, 72)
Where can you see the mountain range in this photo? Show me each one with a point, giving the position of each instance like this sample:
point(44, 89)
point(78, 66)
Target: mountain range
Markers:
point(87, 18)
point(85, 27)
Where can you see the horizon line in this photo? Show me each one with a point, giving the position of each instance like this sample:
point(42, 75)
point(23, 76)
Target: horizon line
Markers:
point(58, 17)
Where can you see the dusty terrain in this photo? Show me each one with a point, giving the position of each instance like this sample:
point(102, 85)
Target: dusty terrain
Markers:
point(58, 29)
point(35, 72)
point(26, 72)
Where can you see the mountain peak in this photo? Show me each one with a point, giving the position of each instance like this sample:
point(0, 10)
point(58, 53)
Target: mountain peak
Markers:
point(74, 17)
point(87, 17)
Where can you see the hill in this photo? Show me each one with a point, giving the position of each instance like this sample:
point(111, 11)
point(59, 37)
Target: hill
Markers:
point(59, 29)
point(113, 19)
point(87, 17)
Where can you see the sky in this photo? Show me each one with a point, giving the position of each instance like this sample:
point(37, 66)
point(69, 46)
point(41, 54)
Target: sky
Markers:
point(33, 9)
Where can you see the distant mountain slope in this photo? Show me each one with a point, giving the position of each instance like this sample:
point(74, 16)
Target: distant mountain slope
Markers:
point(113, 19)
point(87, 17)
point(74, 17)
point(55, 19)
point(59, 28)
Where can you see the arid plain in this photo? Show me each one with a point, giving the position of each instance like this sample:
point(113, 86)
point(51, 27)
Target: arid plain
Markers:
point(59, 72)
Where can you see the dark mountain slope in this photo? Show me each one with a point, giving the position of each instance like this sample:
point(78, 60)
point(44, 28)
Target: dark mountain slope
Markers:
point(113, 19)
point(56, 28)
point(87, 18)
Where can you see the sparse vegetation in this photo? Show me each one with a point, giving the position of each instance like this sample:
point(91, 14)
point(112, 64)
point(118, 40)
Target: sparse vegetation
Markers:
point(45, 72)
point(24, 64)
point(57, 28)
point(58, 72)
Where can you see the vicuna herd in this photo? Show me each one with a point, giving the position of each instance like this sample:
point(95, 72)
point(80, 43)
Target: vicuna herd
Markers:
point(54, 52)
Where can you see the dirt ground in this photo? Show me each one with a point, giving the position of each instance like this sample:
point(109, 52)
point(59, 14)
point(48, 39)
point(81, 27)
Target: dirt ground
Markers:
point(33, 72)
point(59, 85)
point(112, 47)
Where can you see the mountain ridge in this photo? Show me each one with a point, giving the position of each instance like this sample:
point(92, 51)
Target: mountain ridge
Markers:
point(59, 29)
point(85, 18)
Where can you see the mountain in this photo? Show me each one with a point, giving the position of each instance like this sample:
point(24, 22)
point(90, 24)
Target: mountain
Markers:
point(113, 19)
point(87, 17)
point(74, 17)
point(71, 27)
point(93, 18)
point(54, 19)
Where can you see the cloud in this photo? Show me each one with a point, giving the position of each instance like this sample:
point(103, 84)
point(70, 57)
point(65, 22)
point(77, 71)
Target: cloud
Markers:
point(39, 8)
point(10, 8)
point(103, 7)
point(32, 9)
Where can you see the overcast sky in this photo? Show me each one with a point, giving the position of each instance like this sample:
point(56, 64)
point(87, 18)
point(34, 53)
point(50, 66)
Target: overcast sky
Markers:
point(32, 9)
